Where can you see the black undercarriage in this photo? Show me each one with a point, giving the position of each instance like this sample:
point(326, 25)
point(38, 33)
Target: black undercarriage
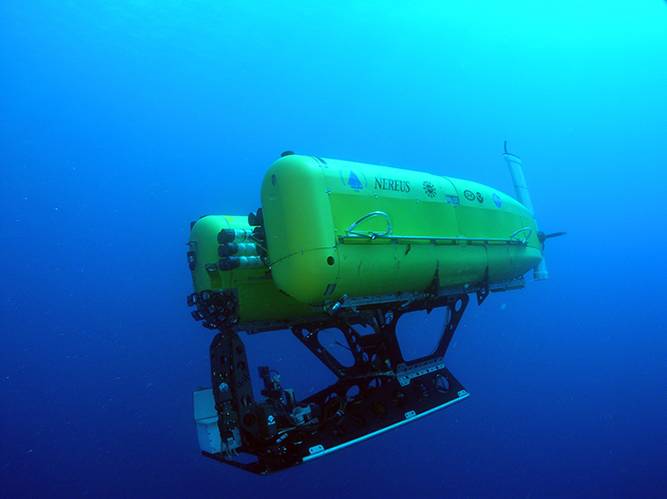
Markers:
point(378, 392)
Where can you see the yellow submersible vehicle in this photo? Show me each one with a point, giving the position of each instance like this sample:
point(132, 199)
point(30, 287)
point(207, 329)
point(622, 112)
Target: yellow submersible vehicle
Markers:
point(351, 247)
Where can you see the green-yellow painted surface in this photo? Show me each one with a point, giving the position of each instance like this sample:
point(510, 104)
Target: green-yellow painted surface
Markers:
point(309, 204)
point(259, 299)
point(300, 231)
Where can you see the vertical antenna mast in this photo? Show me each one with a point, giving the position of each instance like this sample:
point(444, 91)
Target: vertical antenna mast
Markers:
point(523, 196)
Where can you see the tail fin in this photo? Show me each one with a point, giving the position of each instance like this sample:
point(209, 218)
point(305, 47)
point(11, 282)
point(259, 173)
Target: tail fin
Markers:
point(523, 196)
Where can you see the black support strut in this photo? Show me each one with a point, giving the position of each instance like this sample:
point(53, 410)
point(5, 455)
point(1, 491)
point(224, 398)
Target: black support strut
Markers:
point(378, 391)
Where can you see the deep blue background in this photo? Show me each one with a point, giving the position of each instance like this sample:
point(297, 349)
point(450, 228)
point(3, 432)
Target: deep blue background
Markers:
point(122, 121)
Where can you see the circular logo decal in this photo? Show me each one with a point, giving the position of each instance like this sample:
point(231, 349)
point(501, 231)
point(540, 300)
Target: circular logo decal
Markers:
point(469, 195)
point(429, 189)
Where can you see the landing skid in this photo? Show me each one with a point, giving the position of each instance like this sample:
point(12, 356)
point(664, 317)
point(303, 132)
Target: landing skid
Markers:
point(380, 391)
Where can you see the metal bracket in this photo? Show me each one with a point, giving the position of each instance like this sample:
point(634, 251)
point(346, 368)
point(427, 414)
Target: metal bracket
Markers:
point(483, 291)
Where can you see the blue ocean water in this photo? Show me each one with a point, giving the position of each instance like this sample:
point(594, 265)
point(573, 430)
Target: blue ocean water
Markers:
point(122, 121)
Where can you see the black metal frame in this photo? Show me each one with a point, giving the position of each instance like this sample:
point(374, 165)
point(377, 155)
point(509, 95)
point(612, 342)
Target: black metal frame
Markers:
point(368, 397)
